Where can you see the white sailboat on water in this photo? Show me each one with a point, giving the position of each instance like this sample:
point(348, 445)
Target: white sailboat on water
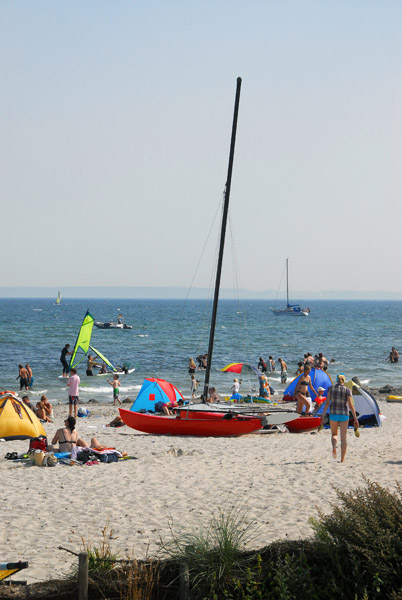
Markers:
point(291, 310)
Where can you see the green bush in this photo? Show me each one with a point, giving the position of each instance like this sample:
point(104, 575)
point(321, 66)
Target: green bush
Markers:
point(365, 535)
point(215, 554)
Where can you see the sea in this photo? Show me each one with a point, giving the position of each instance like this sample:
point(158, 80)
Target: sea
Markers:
point(356, 335)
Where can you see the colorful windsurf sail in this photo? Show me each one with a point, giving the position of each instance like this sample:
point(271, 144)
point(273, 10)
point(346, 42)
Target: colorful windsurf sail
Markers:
point(58, 299)
point(83, 340)
point(102, 357)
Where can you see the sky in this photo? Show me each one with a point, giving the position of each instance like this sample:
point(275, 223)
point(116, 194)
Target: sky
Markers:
point(115, 124)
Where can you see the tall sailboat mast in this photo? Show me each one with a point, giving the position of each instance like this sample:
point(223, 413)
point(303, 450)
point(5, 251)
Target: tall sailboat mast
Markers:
point(222, 240)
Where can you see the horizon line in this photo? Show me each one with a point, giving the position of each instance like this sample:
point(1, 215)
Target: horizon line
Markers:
point(180, 293)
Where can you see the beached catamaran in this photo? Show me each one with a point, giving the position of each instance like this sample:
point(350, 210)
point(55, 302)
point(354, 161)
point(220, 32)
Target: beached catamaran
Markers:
point(203, 423)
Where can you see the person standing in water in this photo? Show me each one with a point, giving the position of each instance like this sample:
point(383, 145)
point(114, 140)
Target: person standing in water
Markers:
point(91, 363)
point(30, 378)
point(64, 353)
point(394, 355)
point(23, 377)
point(284, 370)
point(341, 400)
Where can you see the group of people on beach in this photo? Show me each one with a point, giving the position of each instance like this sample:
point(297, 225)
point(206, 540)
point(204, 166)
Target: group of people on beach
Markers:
point(43, 409)
point(74, 380)
point(66, 439)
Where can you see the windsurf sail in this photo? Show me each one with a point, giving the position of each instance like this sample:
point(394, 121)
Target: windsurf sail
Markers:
point(105, 360)
point(83, 340)
point(58, 299)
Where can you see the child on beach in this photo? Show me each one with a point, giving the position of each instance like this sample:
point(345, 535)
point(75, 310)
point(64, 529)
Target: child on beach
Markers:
point(194, 386)
point(319, 399)
point(116, 384)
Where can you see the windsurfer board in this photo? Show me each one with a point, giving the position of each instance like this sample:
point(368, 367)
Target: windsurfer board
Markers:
point(111, 373)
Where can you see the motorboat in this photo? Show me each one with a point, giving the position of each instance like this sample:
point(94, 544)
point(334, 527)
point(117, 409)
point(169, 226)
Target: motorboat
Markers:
point(112, 325)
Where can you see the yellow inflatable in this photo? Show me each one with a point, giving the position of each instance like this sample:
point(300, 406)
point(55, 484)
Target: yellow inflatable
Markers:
point(394, 398)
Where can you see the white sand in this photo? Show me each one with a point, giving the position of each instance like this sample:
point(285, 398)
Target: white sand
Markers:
point(281, 478)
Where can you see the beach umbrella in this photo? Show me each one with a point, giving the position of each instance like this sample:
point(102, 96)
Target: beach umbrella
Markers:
point(241, 368)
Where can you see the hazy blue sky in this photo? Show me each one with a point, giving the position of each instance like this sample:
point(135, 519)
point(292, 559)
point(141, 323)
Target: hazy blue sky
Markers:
point(115, 131)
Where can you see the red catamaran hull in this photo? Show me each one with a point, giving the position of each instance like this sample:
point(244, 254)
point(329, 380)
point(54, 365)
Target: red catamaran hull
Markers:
point(303, 424)
point(206, 424)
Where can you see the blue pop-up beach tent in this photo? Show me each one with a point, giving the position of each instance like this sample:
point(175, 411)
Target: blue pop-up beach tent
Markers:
point(319, 378)
point(153, 391)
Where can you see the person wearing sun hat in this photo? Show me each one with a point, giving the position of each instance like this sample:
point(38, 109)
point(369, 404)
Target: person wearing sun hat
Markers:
point(341, 401)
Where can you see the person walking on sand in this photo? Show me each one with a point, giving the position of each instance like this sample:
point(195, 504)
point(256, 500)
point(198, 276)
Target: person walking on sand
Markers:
point(284, 370)
point(73, 392)
point(116, 385)
point(341, 400)
point(64, 353)
point(23, 377)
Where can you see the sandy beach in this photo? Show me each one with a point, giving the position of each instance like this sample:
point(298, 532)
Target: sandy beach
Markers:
point(280, 477)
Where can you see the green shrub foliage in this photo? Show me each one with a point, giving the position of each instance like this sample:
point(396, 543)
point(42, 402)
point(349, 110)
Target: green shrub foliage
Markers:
point(365, 534)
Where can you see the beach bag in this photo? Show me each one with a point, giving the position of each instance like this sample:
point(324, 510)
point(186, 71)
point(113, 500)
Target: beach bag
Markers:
point(83, 412)
point(39, 443)
point(50, 460)
point(85, 456)
point(38, 458)
point(108, 458)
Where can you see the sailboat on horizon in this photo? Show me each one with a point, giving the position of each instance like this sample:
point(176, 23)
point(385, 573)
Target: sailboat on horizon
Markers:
point(291, 310)
point(58, 299)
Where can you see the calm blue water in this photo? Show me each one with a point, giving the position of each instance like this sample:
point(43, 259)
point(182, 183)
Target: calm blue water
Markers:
point(357, 334)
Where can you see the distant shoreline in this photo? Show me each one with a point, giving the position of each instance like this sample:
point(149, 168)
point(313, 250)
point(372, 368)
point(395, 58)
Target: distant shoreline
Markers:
point(178, 293)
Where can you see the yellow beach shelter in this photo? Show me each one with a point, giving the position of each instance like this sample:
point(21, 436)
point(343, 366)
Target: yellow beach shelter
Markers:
point(17, 421)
